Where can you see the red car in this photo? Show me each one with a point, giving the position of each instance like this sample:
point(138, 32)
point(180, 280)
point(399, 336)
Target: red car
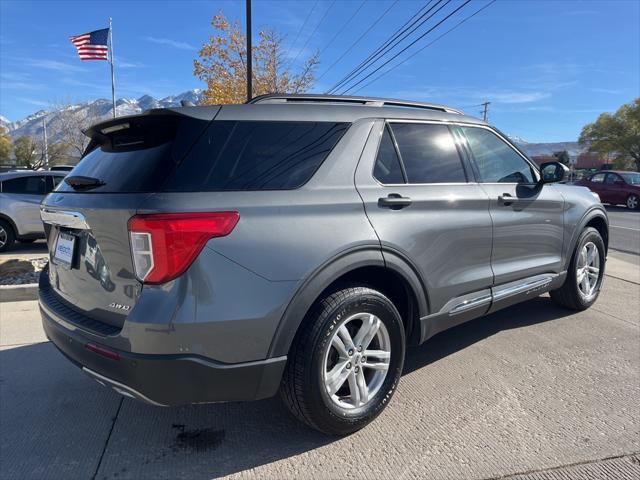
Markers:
point(615, 187)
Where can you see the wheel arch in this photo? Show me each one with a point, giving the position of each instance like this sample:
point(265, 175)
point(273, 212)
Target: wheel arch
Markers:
point(11, 223)
point(596, 218)
point(366, 265)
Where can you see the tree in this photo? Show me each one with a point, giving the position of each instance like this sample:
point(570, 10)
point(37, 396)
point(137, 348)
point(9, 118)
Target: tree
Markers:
point(26, 151)
point(222, 65)
point(5, 145)
point(617, 134)
point(562, 157)
point(70, 121)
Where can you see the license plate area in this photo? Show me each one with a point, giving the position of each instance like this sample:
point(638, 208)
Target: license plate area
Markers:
point(65, 249)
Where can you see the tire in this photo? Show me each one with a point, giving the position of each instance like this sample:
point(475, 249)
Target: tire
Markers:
point(313, 357)
point(7, 237)
point(572, 293)
point(633, 202)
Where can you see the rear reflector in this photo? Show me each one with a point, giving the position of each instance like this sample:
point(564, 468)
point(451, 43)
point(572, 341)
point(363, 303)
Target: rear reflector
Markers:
point(100, 350)
point(164, 245)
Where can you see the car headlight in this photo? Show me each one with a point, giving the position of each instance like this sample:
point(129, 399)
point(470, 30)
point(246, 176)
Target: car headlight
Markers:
point(597, 196)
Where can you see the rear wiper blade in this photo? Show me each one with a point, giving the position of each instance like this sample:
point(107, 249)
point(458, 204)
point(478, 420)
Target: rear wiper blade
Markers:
point(79, 182)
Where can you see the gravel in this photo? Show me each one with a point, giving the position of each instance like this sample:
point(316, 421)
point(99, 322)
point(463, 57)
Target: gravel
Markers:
point(21, 272)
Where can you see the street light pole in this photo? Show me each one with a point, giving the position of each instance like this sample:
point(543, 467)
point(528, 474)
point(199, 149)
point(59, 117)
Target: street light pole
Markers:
point(249, 55)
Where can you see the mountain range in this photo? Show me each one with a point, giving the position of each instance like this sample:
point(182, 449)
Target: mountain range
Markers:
point(101, 109)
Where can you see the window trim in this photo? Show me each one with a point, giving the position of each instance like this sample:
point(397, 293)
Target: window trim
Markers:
point(386, 124)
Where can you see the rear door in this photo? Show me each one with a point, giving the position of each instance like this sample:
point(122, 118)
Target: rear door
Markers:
point(24, 195)
point(420, 200)
point(527, 217)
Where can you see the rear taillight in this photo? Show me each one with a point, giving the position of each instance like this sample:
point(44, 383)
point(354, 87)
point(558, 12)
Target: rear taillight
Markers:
point(164, 245)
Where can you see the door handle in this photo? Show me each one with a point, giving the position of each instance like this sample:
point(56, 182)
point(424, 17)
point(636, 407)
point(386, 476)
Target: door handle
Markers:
point(507, 199)
point(394, 201)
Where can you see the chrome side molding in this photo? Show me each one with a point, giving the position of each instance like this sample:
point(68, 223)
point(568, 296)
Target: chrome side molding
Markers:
point(64, 218)
point(539, 282)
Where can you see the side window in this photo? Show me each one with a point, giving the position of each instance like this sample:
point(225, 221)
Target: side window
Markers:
point(611, 178)
point(56, 179)
point(497, 162)
point(32, 185)
point(429, 153)
point(387, 169)
point(598, 178)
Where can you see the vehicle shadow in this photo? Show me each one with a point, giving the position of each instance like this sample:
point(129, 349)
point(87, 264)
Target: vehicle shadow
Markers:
point(57, 423)
point(620, 209)
point(39, 246)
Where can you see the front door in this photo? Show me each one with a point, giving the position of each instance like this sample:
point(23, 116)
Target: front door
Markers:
point(527, 217)
point(416, 193)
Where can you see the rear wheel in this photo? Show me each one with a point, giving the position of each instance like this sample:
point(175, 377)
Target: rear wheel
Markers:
point(586, 273)
point(633, 202)
point(7, 237)
point(346, 361)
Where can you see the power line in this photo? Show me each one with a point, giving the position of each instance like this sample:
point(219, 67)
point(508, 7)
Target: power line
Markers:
point(485, 110)
point(343, 27)
point(384, 48)
point(313, 33)
point(359, 38)
point(428, 45)
point(410, 45)
point(304, 24)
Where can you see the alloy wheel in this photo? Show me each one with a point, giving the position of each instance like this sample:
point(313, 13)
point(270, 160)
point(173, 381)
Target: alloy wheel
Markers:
point(632, 202)
point(357, 360)
point(3, 237)
point(588, 270)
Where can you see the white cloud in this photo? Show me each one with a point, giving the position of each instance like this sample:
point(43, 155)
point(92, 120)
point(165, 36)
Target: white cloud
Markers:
point(53, 65)
point(171, 43)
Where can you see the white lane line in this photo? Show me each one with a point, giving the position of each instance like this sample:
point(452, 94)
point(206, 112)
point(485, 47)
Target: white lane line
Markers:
point(626, 228)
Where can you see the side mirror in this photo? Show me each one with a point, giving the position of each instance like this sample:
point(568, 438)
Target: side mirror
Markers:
point(551, 172)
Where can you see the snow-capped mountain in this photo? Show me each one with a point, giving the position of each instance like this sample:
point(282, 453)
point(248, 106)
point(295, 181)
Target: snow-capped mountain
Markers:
point(95, 110)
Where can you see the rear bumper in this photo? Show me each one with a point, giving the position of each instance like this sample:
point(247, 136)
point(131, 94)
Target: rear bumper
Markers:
point(163, 379)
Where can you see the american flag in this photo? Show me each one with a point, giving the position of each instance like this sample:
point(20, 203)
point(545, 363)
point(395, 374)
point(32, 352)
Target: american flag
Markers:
point(92, 45)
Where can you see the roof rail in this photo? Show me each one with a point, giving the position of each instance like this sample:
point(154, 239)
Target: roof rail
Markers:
point(342, 99)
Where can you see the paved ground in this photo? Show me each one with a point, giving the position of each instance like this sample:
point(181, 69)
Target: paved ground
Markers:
point(624, 226)
point(532, 392)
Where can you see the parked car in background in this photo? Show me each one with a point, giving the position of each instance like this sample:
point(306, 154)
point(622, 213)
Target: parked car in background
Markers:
point(299, 244)
point(21, 192)
point(615, 187)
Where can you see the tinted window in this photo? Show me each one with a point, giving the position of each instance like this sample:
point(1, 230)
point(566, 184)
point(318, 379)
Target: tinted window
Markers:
point(631, 178)
point(598, 178)
point(56, 180)
point(611, 178)
point(387, 169)
point(142, 170)
point(429, 153)
point(497, 162)
point(256, 155)
point(32, 185)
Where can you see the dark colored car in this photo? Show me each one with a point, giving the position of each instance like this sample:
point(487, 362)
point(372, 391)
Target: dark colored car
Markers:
point(615, 187)
point(299, 244)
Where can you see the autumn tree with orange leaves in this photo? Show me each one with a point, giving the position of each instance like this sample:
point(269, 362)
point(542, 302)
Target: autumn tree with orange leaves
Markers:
point(222, 65)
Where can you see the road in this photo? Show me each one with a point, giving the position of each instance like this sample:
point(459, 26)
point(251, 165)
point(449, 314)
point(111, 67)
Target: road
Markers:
point(534, 391)
point(624, 227)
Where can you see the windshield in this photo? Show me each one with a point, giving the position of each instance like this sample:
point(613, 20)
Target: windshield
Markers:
point(631, 178)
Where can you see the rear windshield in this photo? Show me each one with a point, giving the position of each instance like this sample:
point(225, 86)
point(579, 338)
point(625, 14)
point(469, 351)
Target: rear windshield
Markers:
point(229, 155)
point(256, 155)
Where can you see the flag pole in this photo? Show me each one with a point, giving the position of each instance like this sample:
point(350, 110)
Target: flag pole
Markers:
point(113, 78)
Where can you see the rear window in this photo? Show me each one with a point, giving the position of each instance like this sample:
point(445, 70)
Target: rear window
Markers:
point(256, 155)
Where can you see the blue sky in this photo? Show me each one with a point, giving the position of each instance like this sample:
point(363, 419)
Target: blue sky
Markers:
point(548, 67)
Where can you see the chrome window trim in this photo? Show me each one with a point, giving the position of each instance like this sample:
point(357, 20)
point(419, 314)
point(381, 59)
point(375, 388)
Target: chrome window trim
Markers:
point(64, 218)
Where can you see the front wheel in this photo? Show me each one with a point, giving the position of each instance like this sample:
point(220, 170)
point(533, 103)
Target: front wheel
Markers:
point(7, 236)
point(586, 273)
point(633, 202)
point(346, 361)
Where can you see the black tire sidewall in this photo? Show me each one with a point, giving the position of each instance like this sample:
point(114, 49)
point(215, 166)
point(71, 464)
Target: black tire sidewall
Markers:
point(10, 235)
point(348, 420)
point(589, 235)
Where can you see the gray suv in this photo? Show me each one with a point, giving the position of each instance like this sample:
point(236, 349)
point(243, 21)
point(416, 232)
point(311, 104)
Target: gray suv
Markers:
point(21, 192)
point(299, 244)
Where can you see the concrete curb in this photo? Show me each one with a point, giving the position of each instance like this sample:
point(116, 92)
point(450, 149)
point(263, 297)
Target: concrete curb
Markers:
point(18, 293)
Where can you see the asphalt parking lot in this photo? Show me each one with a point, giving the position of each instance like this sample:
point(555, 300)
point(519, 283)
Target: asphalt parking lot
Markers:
point(534, 391)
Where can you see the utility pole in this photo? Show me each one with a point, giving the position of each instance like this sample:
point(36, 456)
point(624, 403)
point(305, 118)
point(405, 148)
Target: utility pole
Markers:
point(485, 110)
point(46, 146)
point(113, 77)
point(249, 55)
